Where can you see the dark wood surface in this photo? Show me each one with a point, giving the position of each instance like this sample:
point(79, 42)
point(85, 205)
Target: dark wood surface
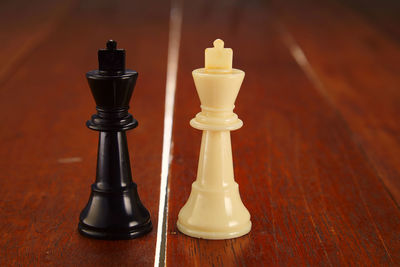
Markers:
point(317, 159)
point(24, 25)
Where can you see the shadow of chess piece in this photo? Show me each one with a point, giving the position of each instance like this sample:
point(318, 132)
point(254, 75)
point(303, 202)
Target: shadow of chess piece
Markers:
point(114, 209)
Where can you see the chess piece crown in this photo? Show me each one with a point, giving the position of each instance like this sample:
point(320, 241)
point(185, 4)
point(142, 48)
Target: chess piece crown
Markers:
point(217, 85)
point(112, 87)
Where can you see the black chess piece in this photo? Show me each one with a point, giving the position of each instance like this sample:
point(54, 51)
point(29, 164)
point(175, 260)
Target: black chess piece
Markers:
point(114, 210)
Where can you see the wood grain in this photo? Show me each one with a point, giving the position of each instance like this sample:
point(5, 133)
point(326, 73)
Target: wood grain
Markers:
point(356, 67)
point(49, 156)
point(383, 15)
point(314, 196)
point(24, 25)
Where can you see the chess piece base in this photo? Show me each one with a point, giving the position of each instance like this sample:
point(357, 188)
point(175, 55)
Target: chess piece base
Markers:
point(114, 215)
point(214, 214)
point(245, 229)
point(99, 233)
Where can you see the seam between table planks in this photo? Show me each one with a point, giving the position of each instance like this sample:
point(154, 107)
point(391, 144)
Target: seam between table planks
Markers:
point(175, 30)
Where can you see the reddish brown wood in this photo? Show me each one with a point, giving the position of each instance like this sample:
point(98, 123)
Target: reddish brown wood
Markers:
point(383, 14)
point(314, 196)
point(44, 107)
point(24, 25)
point(357, 69)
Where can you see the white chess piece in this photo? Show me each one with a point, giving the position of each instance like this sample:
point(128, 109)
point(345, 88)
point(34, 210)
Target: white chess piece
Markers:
point(214, 209)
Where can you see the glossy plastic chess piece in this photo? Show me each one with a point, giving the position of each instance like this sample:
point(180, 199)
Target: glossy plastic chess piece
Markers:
point(114, 210)
point(214, 209)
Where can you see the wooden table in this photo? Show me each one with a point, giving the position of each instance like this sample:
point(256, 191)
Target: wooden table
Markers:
point(317, 161)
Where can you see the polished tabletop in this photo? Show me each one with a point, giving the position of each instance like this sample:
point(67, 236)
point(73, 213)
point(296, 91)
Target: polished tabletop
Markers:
point(317, 160)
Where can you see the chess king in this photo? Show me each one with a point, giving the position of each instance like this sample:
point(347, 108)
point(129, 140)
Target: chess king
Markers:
point(214, 209)
point(114, 209)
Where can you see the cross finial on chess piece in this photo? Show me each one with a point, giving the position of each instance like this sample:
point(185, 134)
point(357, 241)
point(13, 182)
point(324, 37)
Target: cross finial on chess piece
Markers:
point(111, 45)
point(218, 58)
point(218, 43)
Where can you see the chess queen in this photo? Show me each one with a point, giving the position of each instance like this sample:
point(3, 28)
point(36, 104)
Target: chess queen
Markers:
point(214, 209)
